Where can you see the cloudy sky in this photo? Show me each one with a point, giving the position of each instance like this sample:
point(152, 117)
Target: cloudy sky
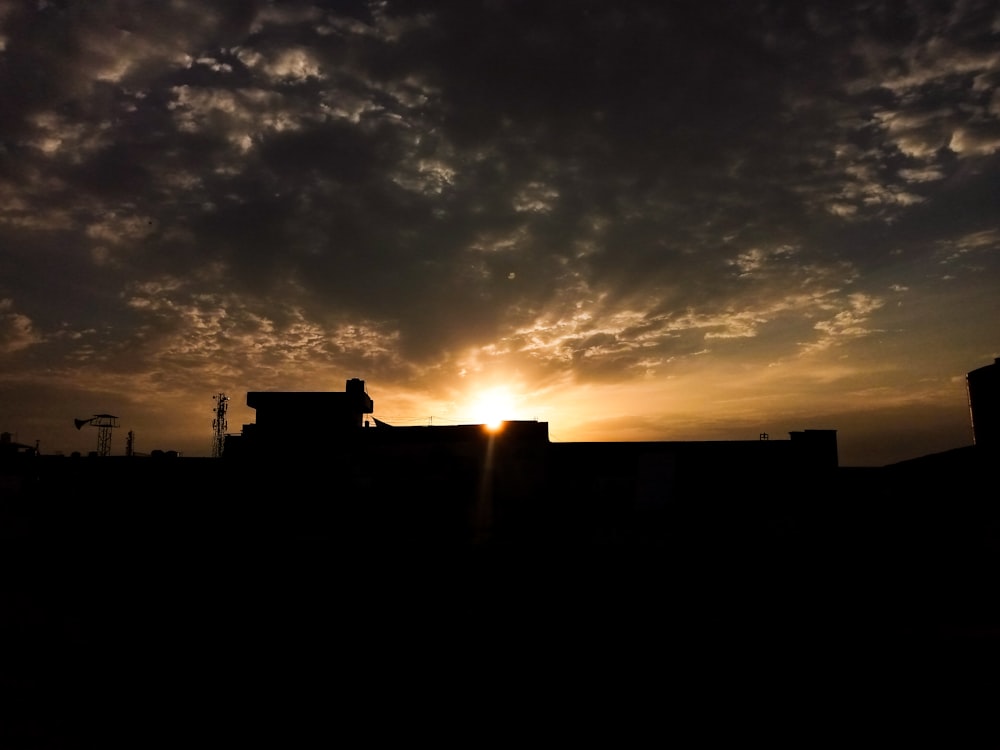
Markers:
point(633, 220)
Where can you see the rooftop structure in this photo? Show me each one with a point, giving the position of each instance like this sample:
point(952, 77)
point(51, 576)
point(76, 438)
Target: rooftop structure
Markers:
point(984, 404)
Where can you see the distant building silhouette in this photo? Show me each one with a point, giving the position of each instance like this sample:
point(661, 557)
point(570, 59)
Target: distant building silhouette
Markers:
point(817, 447)
point(291, 422)
point(984, 404)
point(466, 481)
point(8, 447)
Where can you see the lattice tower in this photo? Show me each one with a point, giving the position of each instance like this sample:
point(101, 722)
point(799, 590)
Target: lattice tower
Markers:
point(104, 423)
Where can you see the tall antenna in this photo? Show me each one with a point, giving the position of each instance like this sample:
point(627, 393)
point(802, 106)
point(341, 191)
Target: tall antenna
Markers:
point(104, 424)
point(219, 425)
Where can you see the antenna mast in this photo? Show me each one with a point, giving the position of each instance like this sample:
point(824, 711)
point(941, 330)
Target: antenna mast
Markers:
point(219, 425)
point(104, 424)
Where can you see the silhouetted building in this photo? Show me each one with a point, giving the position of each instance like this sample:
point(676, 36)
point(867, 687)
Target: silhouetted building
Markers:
point(468, 482)
point(818, 448)
point(8, 447)
point(283, 410)
point(290, 422)
point(984, 404)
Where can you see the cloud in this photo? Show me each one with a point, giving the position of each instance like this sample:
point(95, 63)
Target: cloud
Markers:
point(969, 249)
point(847, 324)
point(755, 260)
point(16, 330)
point(969, 141)
point(187, 332)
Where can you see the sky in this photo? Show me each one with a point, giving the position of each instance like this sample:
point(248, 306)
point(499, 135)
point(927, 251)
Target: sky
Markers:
point(634, 220)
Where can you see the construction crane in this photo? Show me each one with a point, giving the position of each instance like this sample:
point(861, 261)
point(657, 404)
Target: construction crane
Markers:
point(219, 425)
point(104, 423)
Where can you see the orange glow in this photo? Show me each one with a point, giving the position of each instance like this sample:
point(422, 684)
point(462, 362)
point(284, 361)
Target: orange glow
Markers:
point(492, 407)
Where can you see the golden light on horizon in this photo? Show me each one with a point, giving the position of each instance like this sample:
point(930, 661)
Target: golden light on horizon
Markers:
point(492, 407)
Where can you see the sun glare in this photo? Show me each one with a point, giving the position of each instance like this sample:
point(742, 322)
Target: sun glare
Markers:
point(492, 407)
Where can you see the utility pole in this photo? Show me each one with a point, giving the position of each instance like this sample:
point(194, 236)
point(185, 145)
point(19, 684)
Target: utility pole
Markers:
point(219, 425)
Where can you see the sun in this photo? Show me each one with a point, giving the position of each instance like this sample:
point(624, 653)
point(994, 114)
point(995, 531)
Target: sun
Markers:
point(492, 407)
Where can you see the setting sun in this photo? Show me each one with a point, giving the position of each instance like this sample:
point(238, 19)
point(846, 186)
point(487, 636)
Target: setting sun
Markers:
point(493, 407)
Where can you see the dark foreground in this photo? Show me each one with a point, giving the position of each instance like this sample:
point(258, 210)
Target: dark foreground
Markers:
point(183, 603)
